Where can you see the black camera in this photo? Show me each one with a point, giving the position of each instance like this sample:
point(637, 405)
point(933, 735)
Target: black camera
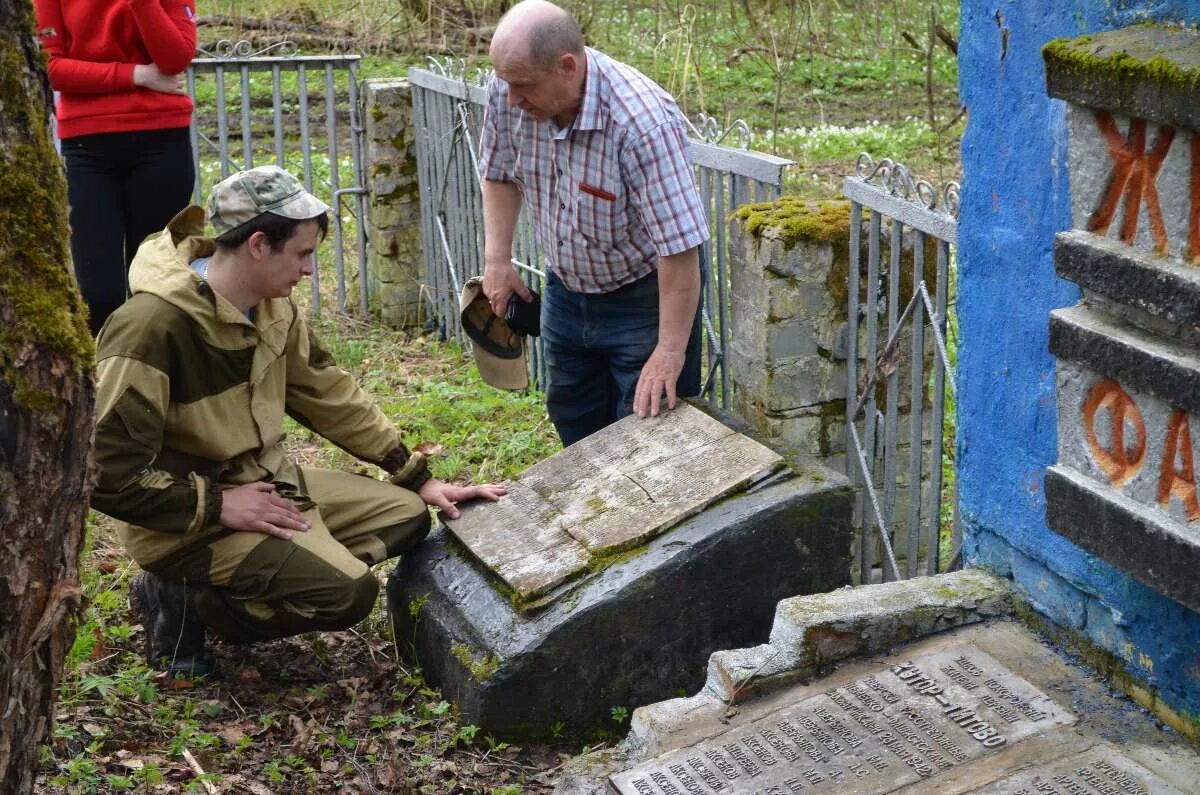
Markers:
point(524, 317)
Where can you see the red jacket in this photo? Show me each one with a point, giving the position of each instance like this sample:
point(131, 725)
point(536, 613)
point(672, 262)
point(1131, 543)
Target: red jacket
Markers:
point(93, 46)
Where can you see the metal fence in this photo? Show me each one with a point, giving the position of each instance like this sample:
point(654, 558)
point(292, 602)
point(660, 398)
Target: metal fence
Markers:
point(905, 209)
point(448, 111)
point(300, 112)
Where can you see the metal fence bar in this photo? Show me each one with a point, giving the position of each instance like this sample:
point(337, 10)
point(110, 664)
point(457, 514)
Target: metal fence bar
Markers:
point(247, 135)
point(916, 413)
point(243, 119)
point(277, 115)
point(892, 393)
point(939, 393)
point(871, 300)
point(222, 122)
point(852, 362)
point(914, 205)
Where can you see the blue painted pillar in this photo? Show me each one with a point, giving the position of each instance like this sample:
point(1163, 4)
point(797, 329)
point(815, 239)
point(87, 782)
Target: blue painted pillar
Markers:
point(1015, 197)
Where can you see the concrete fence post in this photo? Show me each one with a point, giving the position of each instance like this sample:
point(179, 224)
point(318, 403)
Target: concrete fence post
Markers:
point(394, 262)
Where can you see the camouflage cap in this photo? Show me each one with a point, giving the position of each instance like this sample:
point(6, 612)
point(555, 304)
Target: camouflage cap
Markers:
point(244, 196)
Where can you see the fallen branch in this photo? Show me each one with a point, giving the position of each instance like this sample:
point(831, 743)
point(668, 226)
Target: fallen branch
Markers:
point(199, 771)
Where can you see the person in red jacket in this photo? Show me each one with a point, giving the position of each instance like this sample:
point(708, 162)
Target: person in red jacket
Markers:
point(123, 118)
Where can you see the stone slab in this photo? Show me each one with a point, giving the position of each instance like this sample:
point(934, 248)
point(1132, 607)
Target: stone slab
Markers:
point(1088, 741)
point(1142, 362)
point(1149, 545)
point(608, 493)
point(1144, 70)
point(1162, 287)
point(1101, 770)
point(895, 726)
point(634, 632)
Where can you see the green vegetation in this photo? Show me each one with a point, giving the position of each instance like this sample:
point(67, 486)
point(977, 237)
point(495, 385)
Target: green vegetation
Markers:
point(794, 219)
point(333, 711)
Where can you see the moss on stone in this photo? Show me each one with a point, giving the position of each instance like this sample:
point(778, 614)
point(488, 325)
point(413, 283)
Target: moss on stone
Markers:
point(35, 277)
point(1107, 60)
point(481, 668)
point(798, 220)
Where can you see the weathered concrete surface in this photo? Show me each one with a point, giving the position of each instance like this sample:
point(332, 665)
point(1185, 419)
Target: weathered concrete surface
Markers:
point(1016, 196)
point(632, 633)
point(1145, 363)
point(1162, 287)
point(1150, 71)
point(572, 512)
point(1073, 722)
point(393, 201)
point(1105, 204)
point(1150, 544)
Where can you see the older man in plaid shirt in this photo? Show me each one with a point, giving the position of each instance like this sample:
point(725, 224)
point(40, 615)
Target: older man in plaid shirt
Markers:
point(599, 154)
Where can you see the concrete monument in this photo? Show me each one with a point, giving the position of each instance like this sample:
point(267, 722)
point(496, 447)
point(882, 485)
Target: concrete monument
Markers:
point(613, 568)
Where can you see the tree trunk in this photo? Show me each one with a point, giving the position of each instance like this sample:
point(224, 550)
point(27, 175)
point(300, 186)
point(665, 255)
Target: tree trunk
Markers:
point(46, 403)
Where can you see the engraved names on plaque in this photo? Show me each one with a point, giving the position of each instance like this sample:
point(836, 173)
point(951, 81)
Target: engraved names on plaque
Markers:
point(610, 492)
point(898, 726)
point(1100, 770)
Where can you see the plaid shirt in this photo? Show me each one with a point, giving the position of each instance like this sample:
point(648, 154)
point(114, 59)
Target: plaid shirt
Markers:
point(610, 194)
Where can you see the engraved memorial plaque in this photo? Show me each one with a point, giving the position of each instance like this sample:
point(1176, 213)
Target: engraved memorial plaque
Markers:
point(608, 493)
point(1101, 770)
point(901, 725)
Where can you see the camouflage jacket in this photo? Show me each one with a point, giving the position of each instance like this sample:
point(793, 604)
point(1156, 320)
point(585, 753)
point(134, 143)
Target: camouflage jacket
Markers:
point(192, 395)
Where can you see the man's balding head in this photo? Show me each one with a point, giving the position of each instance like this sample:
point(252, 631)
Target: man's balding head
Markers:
point(536, 34)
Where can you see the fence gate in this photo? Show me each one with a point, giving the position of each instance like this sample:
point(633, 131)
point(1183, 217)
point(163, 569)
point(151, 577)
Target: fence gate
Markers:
point(448, 111)
point(906, 378)
point(300, 112)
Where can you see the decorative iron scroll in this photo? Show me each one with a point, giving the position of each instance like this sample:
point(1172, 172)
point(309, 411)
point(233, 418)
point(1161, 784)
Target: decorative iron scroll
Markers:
point(710, 131)
point(227, 49)
point(897, 180)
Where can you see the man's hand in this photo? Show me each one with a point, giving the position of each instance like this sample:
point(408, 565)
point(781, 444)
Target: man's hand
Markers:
point(444, 495)
point(500, 280)
point(149, 76)
point(659, 374)
point(256, 508)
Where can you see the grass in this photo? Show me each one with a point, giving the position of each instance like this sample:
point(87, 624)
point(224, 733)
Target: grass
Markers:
point(320, 712)
point(341, 711)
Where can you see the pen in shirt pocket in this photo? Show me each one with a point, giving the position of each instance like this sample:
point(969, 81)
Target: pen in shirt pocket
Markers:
point(599, 193)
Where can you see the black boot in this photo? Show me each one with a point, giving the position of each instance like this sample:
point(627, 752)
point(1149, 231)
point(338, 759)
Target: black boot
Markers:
point(174, 632)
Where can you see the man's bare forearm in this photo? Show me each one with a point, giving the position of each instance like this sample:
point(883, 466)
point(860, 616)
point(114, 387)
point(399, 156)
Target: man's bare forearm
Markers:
point(501, 207)
point(678, 297)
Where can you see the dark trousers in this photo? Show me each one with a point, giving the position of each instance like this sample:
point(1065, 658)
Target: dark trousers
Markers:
point(595, 346)
point(121, 187)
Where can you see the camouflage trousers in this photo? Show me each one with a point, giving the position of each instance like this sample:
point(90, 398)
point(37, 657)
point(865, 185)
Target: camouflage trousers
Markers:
point(250, 586)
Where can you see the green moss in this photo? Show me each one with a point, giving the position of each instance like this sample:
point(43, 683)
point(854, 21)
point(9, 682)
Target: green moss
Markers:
point(1105, 59)
point(480, 668)
point(35, 270)
point(797, 220)
point(597, 504)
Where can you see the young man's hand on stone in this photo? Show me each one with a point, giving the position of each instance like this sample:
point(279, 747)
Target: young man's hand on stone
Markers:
point(439, 494)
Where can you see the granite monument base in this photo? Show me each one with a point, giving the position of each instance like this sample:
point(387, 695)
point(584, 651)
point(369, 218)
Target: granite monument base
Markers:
point(635, 631)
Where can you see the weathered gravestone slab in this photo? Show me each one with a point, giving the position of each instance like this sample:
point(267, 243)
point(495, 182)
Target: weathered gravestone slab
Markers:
point(899, 725)
point(612, 569)
point(608, 493)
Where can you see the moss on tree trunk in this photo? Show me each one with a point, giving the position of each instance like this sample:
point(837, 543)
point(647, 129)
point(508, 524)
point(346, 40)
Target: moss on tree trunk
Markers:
point(46, 404)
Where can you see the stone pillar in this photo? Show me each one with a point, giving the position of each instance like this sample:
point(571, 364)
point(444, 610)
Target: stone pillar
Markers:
point(789, 263)
point(394, 261)
point(1128, 396)
point(787, 259)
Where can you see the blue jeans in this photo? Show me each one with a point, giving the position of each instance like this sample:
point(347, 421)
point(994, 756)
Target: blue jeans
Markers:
point(595, 346)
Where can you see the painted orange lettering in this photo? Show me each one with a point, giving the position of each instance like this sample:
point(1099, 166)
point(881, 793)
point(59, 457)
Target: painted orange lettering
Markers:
point(1180, 482)
point(1134, 172)
point(1119, 463)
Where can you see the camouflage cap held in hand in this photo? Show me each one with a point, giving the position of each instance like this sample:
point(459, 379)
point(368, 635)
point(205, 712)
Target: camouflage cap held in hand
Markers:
point(244, 196)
